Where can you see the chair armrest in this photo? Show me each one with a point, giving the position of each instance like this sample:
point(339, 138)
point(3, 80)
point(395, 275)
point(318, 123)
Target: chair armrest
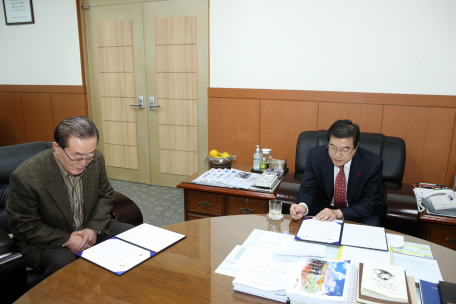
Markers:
point(288, 191)
point(402, 210)
point(125, 210)
point(12, 269)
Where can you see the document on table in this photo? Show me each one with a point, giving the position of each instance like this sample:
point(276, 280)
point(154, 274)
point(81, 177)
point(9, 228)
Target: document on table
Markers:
point(234, 261)
point(356, 255)
point(116, 255)
point(266, 271)
point(395, 240)
point(364, 236)
point(316, 231)
point(131, 247)
point(419, 268)
point(285, 244)
point(150, 237)
point(419, 250)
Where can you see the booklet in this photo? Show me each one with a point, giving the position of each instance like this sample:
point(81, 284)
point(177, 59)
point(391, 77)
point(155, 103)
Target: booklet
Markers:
point(339, 233)
point(130, 248)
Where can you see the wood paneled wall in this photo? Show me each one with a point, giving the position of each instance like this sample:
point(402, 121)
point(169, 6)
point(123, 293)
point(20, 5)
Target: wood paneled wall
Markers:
point(239, 119)
point(30, 113)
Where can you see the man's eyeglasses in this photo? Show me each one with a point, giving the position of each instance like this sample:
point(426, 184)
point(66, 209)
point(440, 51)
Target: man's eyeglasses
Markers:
point(80, 159)
point(343, 151)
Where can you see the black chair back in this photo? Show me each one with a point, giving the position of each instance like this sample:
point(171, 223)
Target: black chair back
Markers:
point(10, 158)
point(391, 149)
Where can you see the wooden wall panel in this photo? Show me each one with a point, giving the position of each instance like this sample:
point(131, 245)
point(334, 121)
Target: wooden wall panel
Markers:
point(281, 122)
point(175, 30)
point(176, 85)
point(234, 127)
point(117, 84)
point(120, 133)
point(426, 132)
point(181, 138)
point(116, 59)
point(176, 58)
point(451, 172)
point(178, 112)
point(11, 119)
point(121, 156)
point(178, 162)
point(37, 109)
point(68, 105)
point(115, 33)
point(368, 117)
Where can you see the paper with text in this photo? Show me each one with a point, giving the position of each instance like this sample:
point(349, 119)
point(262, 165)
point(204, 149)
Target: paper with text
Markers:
point(325, 232)
point(419, 268)
point(234, 261)
point(357, 255)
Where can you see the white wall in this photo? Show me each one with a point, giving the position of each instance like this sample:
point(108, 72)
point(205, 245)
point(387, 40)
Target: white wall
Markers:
point(44, 53)
point(383, 46)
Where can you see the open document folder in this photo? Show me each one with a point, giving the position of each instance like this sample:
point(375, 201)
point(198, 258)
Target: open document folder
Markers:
point(336, 232)
point(130, 248)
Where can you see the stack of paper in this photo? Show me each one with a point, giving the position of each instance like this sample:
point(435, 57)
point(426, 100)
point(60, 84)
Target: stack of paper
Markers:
point(322, 281)
point(228, 178)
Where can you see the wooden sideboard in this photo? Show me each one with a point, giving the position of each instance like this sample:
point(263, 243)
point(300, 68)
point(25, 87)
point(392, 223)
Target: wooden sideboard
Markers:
point(438, 229)
point(205, 201)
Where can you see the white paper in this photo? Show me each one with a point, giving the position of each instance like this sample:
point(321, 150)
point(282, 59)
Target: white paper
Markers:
point(313, 230)
point(234, 261)
point(364, 236)
point(419, 250)
point(357, 255)
point(253, 238)
point(150, 237)
point(395, 240)
point(332, 252)
point(266, 271)
point(116, 255)
point(419, 268)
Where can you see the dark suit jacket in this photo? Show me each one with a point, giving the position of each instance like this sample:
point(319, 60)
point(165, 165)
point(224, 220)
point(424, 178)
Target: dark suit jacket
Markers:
point(39, 211)
point(364, 189)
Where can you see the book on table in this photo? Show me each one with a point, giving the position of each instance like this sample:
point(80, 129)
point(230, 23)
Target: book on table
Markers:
point(130, 248)
point(447, 292)
point(339, 233)
point(381, 283)
point(429, 292)
point(322, 281)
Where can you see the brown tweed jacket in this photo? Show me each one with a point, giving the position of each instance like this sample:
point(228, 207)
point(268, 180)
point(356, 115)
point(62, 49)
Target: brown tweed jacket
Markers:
point(39, 211)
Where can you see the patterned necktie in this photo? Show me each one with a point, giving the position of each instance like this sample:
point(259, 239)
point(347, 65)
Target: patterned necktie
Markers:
point(340, 190)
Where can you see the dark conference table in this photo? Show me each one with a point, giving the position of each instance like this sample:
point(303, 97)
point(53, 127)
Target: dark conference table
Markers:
point(183, 273)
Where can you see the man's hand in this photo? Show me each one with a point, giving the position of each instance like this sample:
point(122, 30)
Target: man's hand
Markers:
point(88, 238)
point(329, 215)
point(74, 243)
point(297, 211)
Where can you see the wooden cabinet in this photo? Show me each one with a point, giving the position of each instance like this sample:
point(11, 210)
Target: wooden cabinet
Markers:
point(438, 229)
point(206, 201)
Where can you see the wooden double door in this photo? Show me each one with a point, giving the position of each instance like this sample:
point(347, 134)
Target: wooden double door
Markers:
point(148, 71)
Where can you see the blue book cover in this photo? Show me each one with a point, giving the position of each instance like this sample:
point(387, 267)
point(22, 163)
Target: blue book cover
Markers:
point(429, 292)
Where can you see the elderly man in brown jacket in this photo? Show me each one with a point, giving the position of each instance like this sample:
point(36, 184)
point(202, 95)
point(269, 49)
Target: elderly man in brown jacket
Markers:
point(60, 200)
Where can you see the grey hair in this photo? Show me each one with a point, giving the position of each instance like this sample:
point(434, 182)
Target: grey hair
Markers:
point(79, 126)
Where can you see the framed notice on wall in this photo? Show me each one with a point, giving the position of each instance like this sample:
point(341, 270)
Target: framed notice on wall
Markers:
point(18, 12)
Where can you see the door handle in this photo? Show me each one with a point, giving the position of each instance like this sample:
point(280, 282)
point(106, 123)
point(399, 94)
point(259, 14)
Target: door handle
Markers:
point(140, 104)
point(152, 105)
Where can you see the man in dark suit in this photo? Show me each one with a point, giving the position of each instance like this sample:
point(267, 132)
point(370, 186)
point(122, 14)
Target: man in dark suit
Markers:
point(341, 180)
point(60, 200)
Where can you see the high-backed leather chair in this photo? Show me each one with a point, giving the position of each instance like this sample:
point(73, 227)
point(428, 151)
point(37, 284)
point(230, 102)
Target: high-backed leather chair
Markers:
point(15, 280)
point(401, 213)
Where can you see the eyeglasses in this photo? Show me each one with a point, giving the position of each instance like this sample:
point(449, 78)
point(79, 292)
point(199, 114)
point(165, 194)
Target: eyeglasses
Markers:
point(78, 160)
point(343, 151)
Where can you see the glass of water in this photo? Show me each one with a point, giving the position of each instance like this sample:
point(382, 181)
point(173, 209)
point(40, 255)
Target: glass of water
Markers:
point(275, 210)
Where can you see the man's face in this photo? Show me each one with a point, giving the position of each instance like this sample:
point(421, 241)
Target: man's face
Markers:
point(77, 148)
point(343, 146)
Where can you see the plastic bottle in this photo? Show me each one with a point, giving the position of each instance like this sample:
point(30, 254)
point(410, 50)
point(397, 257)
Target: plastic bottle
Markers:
point(265, 159)
point(257, 159)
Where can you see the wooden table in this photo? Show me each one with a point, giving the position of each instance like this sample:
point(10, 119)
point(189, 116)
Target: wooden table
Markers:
point(183, 273)
point(205, 201)
point(438, 229)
